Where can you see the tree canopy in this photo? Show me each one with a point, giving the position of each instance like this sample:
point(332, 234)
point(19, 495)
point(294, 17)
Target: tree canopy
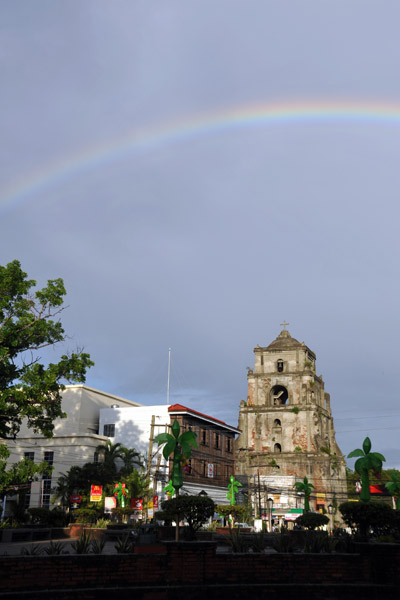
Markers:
point(19, 475)
point(29, 322)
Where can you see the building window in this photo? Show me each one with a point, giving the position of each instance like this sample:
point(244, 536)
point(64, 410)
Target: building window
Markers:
point(109, 430)
point(46, 501)
point(96, 457)
point(216, 441)
point(46, 492)
point(277, 448)
point(204, 437)
point(229, 444)
point(29, 455)
point(279, 366)
point(188, 467)
point(277, 423)
point(49, 458)
point(204, 468)
point(262, 360)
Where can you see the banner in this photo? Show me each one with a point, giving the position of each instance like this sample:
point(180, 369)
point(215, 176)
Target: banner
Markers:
point(96, 493)
point(137, 503)
point(210, 470)
point(109, 503)
point(155, 502)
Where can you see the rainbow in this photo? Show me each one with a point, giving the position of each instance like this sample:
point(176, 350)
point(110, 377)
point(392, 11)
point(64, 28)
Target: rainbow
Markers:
point(93, 157)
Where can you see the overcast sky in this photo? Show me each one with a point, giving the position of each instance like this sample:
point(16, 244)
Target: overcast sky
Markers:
point(142, 160)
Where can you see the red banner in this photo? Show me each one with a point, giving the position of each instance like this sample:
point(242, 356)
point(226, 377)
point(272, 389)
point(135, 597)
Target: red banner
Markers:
point(155, 502)
point(137, 503)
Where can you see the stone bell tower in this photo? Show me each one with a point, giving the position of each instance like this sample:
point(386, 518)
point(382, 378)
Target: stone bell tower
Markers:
point(287, 428)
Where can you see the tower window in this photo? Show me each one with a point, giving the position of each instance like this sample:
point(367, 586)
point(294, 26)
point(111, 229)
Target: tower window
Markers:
point(277, 448)
point(279, 366)
point(277, 423)
point(279, 395)
point(262, 360)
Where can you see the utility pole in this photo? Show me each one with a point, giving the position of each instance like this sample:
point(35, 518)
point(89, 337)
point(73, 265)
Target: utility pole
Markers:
point(149, 458)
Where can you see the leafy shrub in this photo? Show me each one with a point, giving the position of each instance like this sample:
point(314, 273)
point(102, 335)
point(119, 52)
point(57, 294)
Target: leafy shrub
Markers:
point(122, 513)
point(226, 510)
point(86, 515)
point(83, 545)
point(284, 542)
point(102, 523)
point(319, 541)
point(238, 542)
point(311, 520)
point(48, 518)
point(194, 509)
point(344, 541)
point(370, 517)
point(124, 545)
point(97, 546)
point(55, 548)
point(34, 550)
point(259, 542)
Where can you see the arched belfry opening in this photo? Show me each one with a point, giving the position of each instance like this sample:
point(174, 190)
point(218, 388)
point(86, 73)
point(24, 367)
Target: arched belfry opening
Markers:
point(279, 365)
point(279, 395)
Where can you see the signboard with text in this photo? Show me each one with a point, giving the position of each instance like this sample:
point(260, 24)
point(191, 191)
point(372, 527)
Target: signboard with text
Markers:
point(96, 492)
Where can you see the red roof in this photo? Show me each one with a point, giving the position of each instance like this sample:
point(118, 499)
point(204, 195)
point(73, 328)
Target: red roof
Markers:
point(180, 408)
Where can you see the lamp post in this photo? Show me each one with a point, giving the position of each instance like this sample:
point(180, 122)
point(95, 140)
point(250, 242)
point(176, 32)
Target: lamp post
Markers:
point(270, 503)
point(331, 511)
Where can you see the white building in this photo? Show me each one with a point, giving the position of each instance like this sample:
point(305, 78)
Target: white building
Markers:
point(74, 442)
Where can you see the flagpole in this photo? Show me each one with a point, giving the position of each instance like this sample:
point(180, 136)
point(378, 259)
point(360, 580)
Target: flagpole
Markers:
point(169, 373)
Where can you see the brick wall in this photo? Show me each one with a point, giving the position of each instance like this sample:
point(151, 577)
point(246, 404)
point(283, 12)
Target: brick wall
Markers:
point(196, 563)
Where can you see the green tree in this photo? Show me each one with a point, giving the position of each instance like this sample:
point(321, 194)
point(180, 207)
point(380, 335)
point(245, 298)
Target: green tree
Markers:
point(195, 510)
point(29, 321)
point(305, 487)
point(368, 461)
point(311, 520)
point(393, 487)
point(231, 512)
point(377, 516)
point(20, 474)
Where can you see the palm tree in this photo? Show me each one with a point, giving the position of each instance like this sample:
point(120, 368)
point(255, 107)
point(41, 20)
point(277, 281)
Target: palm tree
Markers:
point(132, 459)
point(306, 487)
point(393, 488)
point(179, 446)
point(368, 460)
point(110, 452)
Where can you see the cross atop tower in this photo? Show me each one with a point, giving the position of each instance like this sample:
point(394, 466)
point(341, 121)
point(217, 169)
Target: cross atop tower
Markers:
point(284, 325)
